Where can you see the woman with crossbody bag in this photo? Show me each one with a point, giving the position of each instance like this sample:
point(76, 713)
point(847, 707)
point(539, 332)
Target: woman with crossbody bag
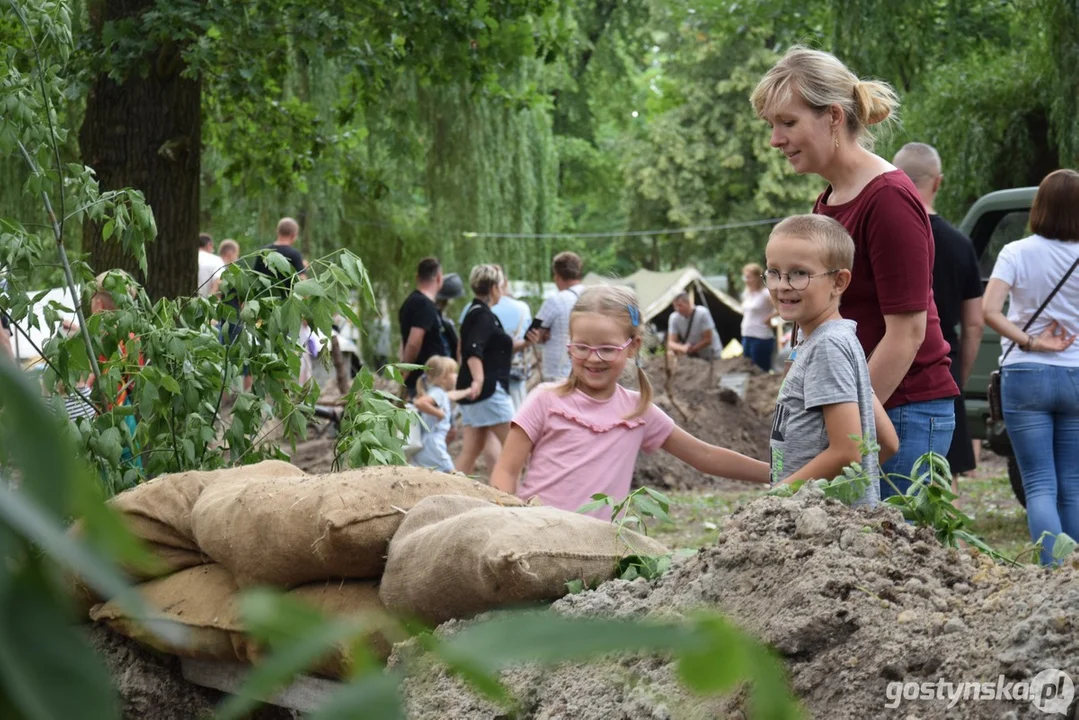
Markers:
point(1039, 381)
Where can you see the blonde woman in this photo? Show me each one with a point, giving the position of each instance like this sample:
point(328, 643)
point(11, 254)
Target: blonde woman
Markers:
point(486, 353)
point(820, 114)
point(758, 339)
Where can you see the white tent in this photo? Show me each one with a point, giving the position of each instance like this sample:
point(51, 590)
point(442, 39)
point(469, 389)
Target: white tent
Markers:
point(656, 292)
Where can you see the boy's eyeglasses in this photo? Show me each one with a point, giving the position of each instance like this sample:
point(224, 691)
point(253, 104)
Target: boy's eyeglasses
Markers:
point(606, 353)
point(797, 279)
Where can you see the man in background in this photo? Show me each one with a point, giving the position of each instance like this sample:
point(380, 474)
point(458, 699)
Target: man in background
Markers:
point(288, 230)
point(553, 315)
point(957, 289)
point(691, 330)
point(421, 322)
point(210, 267)
point(229, 252)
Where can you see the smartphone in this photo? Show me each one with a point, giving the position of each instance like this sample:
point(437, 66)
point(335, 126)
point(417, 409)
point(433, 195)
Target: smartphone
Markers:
point(537, 324)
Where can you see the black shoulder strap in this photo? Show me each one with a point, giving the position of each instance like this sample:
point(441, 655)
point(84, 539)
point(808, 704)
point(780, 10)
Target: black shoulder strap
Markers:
point(689, 327)
point(1043, 306)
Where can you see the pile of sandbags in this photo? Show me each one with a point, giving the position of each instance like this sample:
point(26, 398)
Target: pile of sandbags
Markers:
point(418, 543)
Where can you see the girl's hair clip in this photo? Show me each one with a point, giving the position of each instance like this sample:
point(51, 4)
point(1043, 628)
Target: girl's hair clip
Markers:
point(634, 315)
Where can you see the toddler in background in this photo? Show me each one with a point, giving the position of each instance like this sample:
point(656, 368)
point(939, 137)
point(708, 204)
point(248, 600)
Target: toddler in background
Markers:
point(434, 398)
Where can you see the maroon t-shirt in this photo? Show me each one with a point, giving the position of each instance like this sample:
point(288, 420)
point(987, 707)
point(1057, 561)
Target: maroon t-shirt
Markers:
point(893, 273)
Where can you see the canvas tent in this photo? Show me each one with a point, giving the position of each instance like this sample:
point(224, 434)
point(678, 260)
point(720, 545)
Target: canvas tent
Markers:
point(656, 292)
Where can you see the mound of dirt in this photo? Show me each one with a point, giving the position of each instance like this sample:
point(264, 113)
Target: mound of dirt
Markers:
point(851, 600)
point(692, 395)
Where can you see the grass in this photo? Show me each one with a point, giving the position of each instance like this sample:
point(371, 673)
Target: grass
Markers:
point(698, 516)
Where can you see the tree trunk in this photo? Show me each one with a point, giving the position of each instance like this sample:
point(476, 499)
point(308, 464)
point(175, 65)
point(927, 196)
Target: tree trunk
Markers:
point(146, 134)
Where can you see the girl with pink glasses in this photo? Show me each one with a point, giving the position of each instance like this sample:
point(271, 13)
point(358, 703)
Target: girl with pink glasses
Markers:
point(581, 436)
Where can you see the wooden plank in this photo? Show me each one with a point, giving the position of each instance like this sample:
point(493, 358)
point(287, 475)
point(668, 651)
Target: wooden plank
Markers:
point(305, 694)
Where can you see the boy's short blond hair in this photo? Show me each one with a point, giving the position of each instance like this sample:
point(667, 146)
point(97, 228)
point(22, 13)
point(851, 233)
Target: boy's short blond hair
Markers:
point(836, 244)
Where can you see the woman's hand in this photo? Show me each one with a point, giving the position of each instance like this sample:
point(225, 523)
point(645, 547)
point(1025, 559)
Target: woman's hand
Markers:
point(475, 389)
point(1054, 338)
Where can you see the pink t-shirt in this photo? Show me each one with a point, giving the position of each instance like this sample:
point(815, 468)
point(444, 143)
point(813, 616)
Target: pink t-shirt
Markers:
point(582, 446)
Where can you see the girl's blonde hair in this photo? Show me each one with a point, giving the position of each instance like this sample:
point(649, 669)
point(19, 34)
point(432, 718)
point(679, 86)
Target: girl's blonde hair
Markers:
point(822, 81)
point(437, 366)
point(617, 303)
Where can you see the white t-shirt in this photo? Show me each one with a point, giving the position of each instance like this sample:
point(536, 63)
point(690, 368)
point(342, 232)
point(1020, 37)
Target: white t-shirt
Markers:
point(1032, 267)
point(701, 318)
point(555, 313)
point(756, 307)
point(210, 265)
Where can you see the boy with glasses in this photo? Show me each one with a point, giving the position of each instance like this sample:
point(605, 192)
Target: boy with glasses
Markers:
point(826, 397)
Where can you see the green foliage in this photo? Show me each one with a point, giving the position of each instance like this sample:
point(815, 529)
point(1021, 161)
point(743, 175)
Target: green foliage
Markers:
point(630, 512)
point(375, 426)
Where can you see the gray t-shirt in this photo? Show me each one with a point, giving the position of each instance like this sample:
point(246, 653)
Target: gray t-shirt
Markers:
point(828, 368)
point(677, 325)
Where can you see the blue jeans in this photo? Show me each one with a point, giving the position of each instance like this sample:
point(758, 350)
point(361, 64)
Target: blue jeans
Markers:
point(922, 427)
point(760, 351)
point(1041, 412)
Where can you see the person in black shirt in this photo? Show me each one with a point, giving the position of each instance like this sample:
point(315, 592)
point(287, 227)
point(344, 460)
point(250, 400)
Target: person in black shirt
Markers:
point(452, 288)
point(487, 351)
point(287, 232)
point(420, 322)
point(957, 289)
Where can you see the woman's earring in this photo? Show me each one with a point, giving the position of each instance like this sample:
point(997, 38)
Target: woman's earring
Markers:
point(835, 138)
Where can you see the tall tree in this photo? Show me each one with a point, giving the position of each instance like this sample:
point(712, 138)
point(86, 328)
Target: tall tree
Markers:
point(145, 131)
point(149, 57)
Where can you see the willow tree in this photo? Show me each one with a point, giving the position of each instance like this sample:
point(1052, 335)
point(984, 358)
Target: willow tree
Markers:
point(156, 63)
point(491, 167)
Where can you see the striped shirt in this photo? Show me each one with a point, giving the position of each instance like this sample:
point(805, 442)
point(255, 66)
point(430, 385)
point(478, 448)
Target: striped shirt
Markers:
point(555, 314)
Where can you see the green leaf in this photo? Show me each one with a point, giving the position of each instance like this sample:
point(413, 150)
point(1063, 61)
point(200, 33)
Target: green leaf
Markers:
point(45, 665)
point(375, 696)
point(548, 638)
point(594, 505)
point(309, 288)
point(108, 229)
point(1063, 546)
point(31, 434)
point(301, 637)
point(170, 384)
point(648, 506)
point(21, 513)
point(719, 662)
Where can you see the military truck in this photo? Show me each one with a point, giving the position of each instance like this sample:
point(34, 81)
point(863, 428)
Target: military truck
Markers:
point(993, 221)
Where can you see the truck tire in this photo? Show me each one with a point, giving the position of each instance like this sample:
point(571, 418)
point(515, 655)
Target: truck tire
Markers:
point(1017, 481)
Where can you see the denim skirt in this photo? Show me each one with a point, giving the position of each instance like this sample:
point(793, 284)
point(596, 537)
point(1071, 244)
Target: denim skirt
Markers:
point(495, 410)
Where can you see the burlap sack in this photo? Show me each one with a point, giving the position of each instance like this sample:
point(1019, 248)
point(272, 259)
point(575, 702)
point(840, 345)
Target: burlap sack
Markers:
point(291, 531)
point(204, 600)
point(495, 557)
point(159, 511)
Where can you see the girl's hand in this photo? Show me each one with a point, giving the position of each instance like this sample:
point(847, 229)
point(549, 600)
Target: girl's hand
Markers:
point(1054, 338)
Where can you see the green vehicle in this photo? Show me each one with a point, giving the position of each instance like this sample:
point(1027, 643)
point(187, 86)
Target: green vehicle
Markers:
point(993, 221)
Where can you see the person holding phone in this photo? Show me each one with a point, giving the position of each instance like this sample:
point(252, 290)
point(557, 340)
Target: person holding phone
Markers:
point(552, 330)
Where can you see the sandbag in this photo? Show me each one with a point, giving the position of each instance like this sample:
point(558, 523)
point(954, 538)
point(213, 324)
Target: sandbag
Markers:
point(494, 557)
point(159, 511)
point(204, 600)
point(290, 531)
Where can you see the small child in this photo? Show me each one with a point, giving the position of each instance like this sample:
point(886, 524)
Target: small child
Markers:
point(583, 434)
point(433, 400)
point(826, 396)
